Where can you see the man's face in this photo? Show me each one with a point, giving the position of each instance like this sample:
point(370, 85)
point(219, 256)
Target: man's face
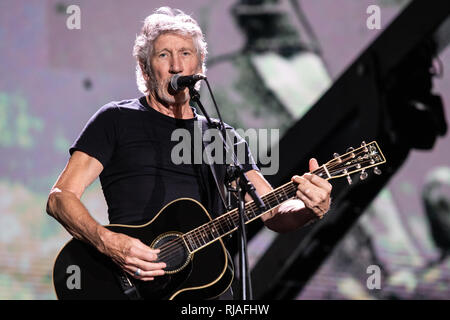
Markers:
point(172, 54)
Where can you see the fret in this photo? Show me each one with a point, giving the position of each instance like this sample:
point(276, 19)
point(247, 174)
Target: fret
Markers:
point(202, 235)
point(210, 232)
point(293, 188)
point(253, 211)
point(247, 216)
point(234, 215)
point(189, 238)
point(214, 230)
point(276, 198)
point(190, 249)
point(269, 200)
point(281, 197)
point(284, 191)
point(232, 224)
point(219, 221)
point(224, 225)
point(207, 233)
point(197, 238)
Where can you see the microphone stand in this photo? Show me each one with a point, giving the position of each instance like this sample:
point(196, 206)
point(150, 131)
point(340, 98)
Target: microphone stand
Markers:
point(235, 171)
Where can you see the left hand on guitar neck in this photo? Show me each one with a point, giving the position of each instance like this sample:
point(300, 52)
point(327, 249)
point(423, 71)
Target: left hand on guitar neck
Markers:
point(314, 191)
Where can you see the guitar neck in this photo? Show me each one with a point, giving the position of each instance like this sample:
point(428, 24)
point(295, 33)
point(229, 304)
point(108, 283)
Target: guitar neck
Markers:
point(355, 160)
point(229, 222)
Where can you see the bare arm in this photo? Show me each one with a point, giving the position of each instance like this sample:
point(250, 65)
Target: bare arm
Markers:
point(64, 204)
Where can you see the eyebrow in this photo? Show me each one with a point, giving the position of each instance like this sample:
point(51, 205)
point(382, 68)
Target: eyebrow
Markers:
point(181, 49)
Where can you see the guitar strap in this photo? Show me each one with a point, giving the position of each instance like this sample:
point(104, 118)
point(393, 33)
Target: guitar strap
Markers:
point(127, 286)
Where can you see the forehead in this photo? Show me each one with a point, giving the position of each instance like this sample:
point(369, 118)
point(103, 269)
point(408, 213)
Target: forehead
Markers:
point(173, 41)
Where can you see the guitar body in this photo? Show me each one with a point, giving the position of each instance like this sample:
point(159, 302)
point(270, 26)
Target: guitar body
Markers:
point(205, 274)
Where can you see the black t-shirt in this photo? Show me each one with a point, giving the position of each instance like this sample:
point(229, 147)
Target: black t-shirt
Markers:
point(134, 144)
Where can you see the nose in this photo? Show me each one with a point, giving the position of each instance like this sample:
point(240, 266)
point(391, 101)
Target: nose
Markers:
point(176, 66)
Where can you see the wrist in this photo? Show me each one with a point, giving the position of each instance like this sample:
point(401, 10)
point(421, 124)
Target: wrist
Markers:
point(104, 237)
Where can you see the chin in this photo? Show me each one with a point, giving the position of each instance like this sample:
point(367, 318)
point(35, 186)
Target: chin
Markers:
point(179, 98)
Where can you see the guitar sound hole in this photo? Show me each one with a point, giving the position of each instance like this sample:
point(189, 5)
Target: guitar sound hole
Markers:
point(173, 252)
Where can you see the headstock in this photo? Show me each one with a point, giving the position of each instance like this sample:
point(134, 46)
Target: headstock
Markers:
point(354, 160)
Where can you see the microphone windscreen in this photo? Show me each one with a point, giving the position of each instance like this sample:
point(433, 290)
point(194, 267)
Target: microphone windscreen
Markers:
point(174, 82)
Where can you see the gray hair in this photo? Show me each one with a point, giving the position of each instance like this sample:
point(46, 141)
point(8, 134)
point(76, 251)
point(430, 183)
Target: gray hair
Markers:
point(164, 20)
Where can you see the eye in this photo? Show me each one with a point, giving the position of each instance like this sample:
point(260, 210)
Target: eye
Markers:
point(162, 55)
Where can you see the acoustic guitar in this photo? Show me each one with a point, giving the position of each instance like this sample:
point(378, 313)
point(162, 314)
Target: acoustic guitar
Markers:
point(190, 244)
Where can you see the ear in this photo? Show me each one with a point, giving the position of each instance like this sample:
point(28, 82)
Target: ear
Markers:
point(144, 72)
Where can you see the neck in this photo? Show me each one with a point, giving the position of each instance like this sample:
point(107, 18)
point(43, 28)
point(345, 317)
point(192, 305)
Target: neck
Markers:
point(174, 110)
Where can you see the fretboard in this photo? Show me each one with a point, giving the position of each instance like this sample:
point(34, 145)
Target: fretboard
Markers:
point(355, 160)
point(229, 222)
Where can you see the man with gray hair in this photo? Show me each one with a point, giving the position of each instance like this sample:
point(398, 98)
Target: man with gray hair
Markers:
point(127, 144)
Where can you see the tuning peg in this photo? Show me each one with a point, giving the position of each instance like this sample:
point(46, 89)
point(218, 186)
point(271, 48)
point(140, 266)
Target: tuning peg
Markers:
point(349, 179)
point(351, 149)
point(363, 175)
point(377, 171)
point(364, 146)
point(337, 157)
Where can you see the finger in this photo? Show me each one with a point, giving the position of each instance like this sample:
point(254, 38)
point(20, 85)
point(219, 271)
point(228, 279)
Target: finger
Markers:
point(144, 247)
point(149, 266)
point(140, 277)
point(143, 273)
point(145, 253)
point(304, 186)
point(151, 274)
point(314, 187)
point(307, 202)
point(311, 192)
point(298, 179)
point(316, 209)
point(134, 262)
point(312, 178)
point(318, 181)
point(313, 164)
point(314, 194)
point(147, 279)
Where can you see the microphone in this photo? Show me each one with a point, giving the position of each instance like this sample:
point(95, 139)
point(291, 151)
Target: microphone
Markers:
point(178, 82)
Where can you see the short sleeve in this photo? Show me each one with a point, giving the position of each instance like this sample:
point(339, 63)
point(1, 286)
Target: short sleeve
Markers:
point(98, 137)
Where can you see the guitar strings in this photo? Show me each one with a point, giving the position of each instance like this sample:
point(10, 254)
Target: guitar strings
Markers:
point(170, 248)
point(198, 233)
